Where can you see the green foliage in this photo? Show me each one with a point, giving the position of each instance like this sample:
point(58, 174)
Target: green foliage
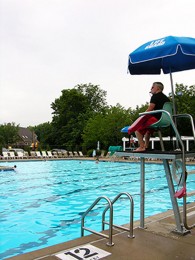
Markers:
point(72, 110)
point(8, 134)
point(106, 127)
point(185, 99)
point(44, 134)
point(185, 104)
point(96, 97)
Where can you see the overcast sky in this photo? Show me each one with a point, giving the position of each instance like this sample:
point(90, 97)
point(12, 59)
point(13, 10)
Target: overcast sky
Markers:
point(50, 45)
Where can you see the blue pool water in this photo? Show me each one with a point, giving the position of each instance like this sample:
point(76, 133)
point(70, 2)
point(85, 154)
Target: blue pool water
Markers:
point(41, 203)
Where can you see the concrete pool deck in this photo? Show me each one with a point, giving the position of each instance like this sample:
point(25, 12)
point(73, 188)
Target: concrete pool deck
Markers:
point(157, 241)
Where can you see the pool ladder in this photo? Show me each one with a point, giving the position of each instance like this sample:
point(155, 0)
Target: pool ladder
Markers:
point(109, 206)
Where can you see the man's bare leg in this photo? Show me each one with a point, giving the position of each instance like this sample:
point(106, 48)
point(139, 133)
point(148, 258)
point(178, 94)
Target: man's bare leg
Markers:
point(140, 141)
point(147, 139)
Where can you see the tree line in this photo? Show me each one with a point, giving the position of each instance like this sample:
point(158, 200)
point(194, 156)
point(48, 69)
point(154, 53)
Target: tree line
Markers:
point(82, 117)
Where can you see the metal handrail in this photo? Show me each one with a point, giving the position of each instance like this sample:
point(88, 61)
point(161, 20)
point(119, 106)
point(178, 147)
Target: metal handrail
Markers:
point(130, 229)
point(191, 121)
point(110, 206)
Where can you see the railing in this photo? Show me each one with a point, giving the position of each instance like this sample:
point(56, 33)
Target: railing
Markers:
point(110, 243)
point(191, 121)
point(130, 229)
point(110, 223)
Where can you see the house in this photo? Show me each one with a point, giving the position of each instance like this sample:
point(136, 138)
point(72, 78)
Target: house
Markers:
point(27, 138)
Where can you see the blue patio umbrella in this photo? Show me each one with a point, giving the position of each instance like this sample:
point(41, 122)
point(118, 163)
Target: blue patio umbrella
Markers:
point(168, 54)
point(125, 129)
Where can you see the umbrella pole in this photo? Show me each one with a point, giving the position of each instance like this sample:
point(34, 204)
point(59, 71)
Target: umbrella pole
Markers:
point(174, 106)
point(173, 94)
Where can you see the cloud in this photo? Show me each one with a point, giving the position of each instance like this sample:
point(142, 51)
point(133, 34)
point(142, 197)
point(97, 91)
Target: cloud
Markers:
point(49, 45)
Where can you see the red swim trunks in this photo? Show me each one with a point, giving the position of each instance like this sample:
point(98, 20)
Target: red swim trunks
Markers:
point(142, 123)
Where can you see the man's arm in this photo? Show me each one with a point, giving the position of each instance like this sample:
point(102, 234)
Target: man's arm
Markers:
point(150, 107)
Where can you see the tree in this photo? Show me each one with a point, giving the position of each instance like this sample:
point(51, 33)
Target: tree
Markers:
point(96, 97)
point(44, 134)
point(8, 134)
point(185, 104)
point(185, 99)
point(72, 110)
point(106, 127)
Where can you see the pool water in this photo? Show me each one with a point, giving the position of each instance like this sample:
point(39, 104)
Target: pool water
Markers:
point(41, 203)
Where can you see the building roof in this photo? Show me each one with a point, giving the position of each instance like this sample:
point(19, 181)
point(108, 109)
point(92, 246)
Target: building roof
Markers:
point(27, 135)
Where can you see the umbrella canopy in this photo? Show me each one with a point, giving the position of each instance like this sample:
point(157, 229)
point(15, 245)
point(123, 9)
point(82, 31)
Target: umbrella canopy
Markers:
point(169, 54)
point(125, 129)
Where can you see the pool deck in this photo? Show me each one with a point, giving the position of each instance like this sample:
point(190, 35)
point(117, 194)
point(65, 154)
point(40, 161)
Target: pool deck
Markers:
point(157, 241)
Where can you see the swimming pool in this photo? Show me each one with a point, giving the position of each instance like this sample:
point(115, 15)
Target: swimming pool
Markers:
point(41, 203)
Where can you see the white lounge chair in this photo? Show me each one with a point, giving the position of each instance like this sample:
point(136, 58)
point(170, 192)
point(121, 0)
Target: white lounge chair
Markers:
point(65, 154)
point(5, 155)
point(32, 154)
point(20, 155)
point(55, 154)
point(80, 153)
point(59, 154)
point(38, 154)
point(70, 154)
point(44, 155)
point(12, 155)
point(26, 155)
point(75, 154)
point(49, 154)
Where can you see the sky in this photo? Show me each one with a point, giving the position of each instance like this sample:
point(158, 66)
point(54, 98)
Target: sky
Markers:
point(50, 45)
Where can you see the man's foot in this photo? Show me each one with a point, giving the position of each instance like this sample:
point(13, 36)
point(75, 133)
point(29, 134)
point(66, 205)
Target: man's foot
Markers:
point(140, 149)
